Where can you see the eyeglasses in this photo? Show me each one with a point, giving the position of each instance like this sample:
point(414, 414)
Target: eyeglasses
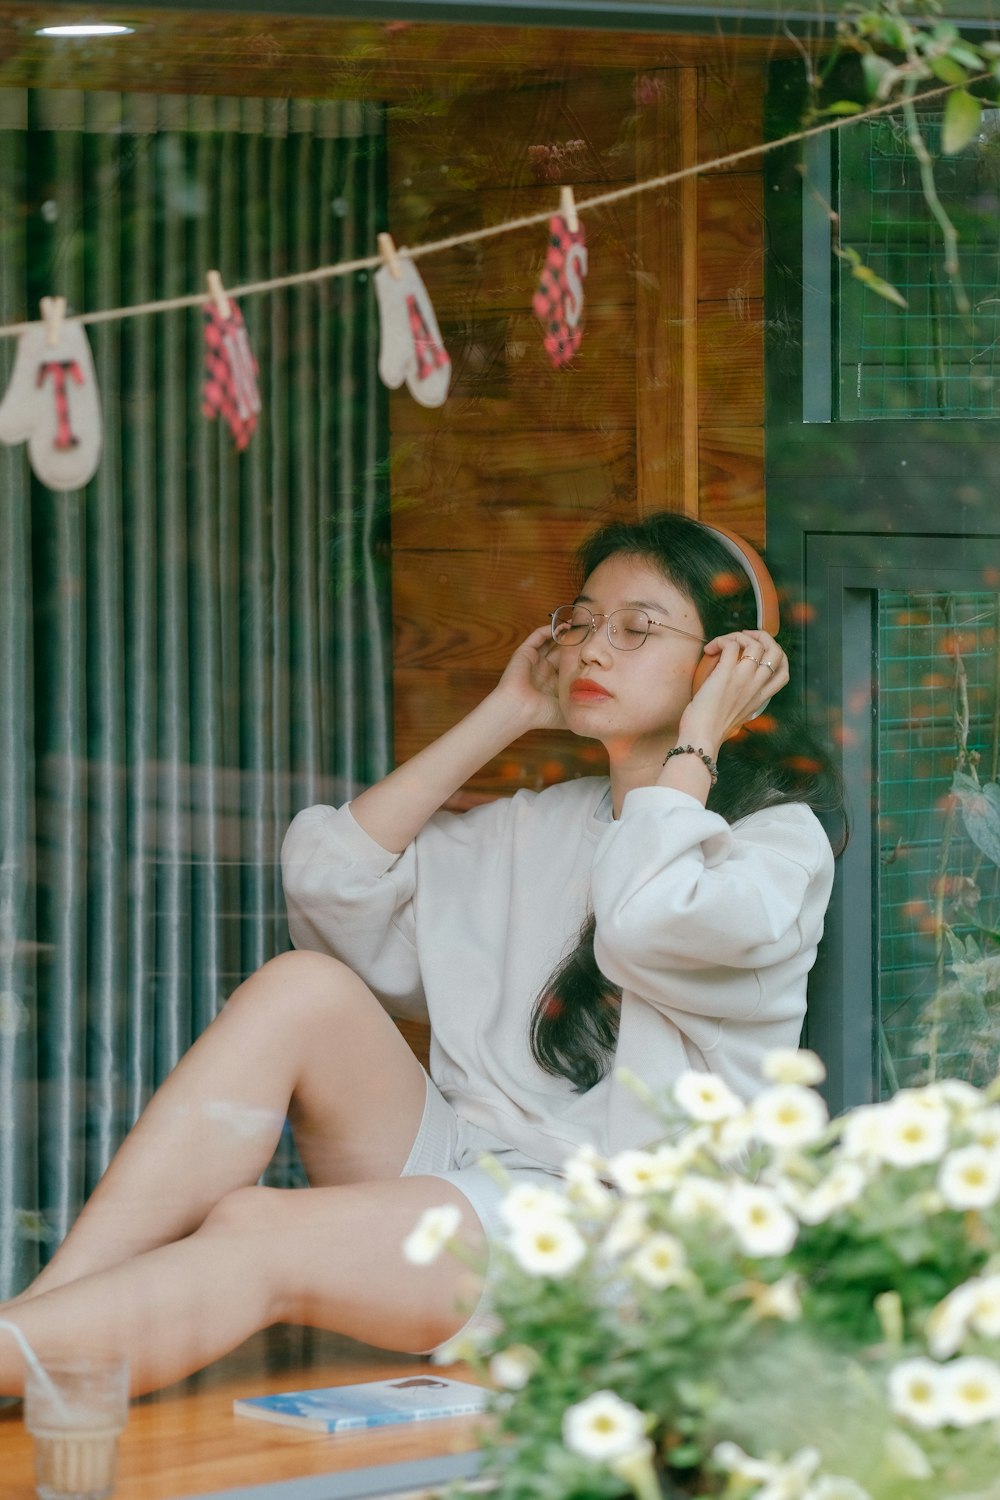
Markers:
point(627, 628)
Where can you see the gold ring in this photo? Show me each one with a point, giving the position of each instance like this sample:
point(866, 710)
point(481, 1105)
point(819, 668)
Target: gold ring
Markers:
point(747, 657)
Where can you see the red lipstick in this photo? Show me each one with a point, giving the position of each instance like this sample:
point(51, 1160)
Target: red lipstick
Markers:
point(585, 690)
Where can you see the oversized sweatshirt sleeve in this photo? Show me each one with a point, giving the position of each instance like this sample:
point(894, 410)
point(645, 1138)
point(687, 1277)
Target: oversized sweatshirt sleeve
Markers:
point(681, 897)
point(348, 896)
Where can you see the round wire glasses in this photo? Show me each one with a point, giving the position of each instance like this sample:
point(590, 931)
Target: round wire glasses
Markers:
point(626, 628)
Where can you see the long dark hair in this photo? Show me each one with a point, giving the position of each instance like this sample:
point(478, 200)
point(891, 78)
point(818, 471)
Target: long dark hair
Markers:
point(574, 1027)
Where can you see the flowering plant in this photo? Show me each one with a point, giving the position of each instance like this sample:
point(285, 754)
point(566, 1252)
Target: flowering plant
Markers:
point(767, 1306)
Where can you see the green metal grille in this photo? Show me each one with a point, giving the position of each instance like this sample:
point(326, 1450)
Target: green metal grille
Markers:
point(930, 874)
point(929, 359)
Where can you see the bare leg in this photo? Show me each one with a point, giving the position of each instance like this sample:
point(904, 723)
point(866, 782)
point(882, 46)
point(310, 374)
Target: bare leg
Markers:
point(329, 1257)
point(303, 1036)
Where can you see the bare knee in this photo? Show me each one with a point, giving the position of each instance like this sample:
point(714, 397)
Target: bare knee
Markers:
point(244, 1222)
point(301, 986)
point(244, 1212)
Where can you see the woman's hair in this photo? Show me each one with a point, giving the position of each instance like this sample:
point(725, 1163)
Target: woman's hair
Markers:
point(574, 1027)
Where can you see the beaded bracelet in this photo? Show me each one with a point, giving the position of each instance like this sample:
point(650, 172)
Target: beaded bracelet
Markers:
point(702, 755)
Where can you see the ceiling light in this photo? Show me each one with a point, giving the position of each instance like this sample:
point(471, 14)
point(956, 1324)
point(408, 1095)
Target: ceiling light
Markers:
point(86, 28)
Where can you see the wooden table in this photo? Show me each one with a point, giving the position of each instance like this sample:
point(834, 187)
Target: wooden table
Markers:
point(186, 1441)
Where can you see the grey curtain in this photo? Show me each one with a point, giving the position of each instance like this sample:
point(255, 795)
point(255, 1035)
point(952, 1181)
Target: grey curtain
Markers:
point(197, 644)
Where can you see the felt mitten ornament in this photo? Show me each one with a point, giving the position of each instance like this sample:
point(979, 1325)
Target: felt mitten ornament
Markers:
point(229, 386)
point(410, 344)
point(558, 301)
point(52, 401)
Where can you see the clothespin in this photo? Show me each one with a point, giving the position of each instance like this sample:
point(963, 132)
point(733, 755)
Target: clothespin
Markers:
point(217, 292)
point(387, 250)
point(567, 208)
point(53, 314)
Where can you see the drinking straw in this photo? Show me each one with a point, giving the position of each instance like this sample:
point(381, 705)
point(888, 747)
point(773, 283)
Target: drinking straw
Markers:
point(37, 1368)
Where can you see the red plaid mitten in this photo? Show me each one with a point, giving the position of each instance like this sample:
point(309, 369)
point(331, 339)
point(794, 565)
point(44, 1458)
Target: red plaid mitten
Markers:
point(229, 387)
point(410, 344)
point(558, 301)
point(52, 402)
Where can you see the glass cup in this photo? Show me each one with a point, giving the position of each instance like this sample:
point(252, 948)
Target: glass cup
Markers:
point(75, 1416)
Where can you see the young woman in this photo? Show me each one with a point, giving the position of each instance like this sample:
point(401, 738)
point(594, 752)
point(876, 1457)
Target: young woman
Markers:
point(662, 918)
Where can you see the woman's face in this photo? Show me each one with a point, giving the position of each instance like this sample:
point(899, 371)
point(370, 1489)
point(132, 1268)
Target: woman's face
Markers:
point(625, 698)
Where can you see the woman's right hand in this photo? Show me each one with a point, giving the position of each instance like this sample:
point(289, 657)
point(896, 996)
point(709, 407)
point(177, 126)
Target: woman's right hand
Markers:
point(531, 680)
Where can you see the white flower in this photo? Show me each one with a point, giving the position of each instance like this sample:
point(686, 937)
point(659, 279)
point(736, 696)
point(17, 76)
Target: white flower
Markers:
point(948, 1322)
point(917, 1392)
point(963, 1099)
point(434, 1229)
point(660, 1262)
point(904, 1456)
point(842, 1186)
point(731, 1458)
point(785, 1481)
point(731, 1138)
point(583, 1173)
point(861, 1132)
point(637, 1172)
point(628, 1228)
point(603, 1428)
point(970, 1177)
point(792, 1065)
point(547, 1247)
point(984, 1127)
point(706, 1098)
point(762, 1225)
point(835, 1487)
point(912, 1131)
point(525, 1202)
point(698, 1197)
point(512, 1368)
point(971, 1391)
point(638, 1469)
point(985, 1315)
point(788, 1116)
point(779, 1299)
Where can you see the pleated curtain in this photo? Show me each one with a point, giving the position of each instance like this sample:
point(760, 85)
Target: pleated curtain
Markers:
point(197, 644)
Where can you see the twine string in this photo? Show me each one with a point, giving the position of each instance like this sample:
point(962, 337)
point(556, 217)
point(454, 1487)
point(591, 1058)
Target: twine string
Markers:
point(435, 247)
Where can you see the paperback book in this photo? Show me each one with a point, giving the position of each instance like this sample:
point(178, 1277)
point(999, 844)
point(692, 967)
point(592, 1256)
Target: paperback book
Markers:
point(374, 1403)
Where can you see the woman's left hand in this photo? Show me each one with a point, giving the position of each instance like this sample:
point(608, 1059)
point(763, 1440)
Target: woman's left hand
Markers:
point(750, 667)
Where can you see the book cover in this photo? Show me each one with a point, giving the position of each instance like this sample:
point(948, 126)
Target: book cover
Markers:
point(374, 1403)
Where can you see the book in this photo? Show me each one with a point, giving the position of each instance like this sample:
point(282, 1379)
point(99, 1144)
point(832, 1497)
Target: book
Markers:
point(373, 1403)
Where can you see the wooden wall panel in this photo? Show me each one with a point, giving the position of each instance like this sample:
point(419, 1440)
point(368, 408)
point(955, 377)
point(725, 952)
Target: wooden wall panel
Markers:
point(493, 491)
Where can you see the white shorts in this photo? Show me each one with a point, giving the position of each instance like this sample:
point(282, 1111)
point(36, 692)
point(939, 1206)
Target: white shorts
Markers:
point(449, 1147)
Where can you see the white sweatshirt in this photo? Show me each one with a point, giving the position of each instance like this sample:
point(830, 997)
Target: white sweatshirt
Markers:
point(710, 930)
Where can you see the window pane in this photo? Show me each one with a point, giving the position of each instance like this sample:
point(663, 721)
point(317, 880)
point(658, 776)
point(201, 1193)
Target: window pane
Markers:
point(938, 902)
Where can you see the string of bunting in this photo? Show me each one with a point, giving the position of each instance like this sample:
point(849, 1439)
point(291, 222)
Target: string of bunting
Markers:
point(52, 400)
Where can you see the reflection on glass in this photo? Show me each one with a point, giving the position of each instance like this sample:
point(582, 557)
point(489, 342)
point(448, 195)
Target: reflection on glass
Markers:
point(937, 908)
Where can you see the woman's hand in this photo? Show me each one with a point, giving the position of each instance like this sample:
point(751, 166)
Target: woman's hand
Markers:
point(531, 681)
point(750, 667)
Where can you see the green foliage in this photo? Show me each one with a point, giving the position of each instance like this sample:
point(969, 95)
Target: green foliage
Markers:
point(784, 1330)
point(907, 48)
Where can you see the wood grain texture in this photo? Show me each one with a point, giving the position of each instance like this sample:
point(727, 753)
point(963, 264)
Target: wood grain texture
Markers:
point(470, 611)
point(502, 380)
point(731, 364)
point(666, 350)
point(730, 237)
point(428, 701)
point(498, 492)
point(188, 1442)
point(501, 273)
point(731, 473)
point(573, 130)
point(730, 106)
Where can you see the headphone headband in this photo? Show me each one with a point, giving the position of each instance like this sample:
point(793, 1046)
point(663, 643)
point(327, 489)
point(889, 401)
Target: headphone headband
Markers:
point(753, 565)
